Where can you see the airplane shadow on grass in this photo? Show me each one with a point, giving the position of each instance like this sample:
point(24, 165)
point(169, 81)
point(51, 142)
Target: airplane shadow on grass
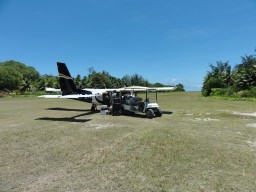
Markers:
point(88, 112)
point(68, 119)
point(66, 109)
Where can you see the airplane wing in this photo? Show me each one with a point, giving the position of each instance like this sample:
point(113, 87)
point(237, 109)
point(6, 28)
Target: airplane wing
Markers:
point(164, 88)
point(101, 90)
point(140, 88)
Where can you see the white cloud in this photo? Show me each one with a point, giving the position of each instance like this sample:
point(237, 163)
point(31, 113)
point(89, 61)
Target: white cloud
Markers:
point(172, 80)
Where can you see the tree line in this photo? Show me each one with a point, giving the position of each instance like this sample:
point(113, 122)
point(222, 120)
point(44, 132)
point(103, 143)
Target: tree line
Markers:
point(240, 81)
point(16, 77)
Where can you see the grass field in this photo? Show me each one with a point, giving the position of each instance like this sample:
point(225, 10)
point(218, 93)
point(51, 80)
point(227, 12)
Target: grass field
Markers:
point(199, 144)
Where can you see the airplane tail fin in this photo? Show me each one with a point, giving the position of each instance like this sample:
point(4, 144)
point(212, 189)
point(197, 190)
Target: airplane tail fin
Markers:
point(67, 83)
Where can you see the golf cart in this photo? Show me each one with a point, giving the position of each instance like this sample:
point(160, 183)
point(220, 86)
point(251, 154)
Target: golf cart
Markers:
point(133, 104)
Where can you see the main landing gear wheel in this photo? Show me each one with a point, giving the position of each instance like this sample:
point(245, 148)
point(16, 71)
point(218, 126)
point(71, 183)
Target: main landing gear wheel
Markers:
point(93, 108)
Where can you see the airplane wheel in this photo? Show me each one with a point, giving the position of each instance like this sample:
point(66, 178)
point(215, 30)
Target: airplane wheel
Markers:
point(93, 108)
point(123, 111)
point(150, 113)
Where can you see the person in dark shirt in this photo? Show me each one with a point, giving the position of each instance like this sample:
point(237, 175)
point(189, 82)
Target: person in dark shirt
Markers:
point(116, 103)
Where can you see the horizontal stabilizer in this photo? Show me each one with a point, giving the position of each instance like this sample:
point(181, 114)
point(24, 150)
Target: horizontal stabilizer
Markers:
point(52, 89)
point(75, 96)
point(50, 96)
point(65, 96)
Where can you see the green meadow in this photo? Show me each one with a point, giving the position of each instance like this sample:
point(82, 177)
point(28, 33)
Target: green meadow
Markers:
point(199, 144)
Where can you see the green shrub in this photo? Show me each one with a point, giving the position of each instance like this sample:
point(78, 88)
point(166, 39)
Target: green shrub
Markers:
point(247, 93)
point(222, 92)
point(252, 92)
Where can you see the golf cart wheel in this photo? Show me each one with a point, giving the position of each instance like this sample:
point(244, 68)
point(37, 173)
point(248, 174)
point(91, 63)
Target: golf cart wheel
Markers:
point(159, 113)
point(150, 113)
point(131, 113)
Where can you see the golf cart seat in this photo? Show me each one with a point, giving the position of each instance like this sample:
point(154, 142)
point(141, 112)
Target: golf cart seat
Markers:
point(135, 101)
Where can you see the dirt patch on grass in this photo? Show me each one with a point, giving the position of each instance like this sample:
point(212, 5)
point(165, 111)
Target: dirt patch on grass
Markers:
point(205, 119)
point(103, 125)
point(252, 144)
point(43, 182)
point(13, 125)
point(244, 114)
point(252, 125)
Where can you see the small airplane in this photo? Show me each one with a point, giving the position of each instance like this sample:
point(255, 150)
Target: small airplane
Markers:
point(94, 96)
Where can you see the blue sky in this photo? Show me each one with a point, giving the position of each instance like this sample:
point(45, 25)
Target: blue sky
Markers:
point(166, 41)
